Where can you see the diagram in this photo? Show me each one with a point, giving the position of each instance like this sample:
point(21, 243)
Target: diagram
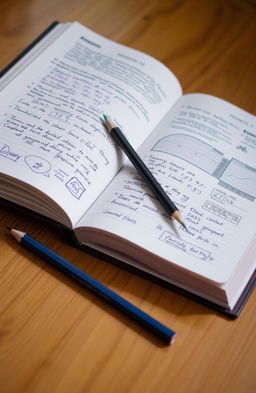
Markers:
point(233, 175)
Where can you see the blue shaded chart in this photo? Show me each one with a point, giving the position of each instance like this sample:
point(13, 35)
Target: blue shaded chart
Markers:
point(192, 150)
point(240, 178)
point(233, 175)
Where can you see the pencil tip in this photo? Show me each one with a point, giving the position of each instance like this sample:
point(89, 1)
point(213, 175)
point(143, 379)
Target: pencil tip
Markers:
point(8, 228)
point(184, 226)
point(106, 117)
point(176, 215)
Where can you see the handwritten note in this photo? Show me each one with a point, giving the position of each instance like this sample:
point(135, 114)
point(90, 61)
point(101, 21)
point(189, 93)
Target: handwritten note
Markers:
point(51, 128)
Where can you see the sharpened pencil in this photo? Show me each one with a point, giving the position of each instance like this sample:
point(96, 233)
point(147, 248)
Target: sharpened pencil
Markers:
point(151, 181)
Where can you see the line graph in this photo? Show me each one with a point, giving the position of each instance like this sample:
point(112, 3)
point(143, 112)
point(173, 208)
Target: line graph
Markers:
point(240, 177)
point(192, 150)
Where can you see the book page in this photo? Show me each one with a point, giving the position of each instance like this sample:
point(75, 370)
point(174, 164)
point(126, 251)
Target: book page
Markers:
point(203, 155)
point(51, 136)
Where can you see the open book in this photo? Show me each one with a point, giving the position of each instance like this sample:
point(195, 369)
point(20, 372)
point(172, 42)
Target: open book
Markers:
point(57, 160)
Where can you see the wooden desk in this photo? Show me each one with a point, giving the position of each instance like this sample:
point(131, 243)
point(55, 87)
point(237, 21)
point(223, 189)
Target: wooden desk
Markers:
point(56, 337)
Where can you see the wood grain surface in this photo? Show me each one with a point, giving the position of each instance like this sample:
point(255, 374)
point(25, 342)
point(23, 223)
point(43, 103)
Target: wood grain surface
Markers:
point(56, 337)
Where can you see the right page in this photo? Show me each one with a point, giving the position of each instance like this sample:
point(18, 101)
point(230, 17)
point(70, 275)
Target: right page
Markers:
point(203, 154)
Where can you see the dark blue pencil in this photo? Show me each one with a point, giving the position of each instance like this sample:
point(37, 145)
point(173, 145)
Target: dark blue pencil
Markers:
point(156, 327)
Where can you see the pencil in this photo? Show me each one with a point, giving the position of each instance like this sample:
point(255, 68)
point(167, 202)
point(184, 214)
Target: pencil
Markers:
point(151, 181)
point(163, 332)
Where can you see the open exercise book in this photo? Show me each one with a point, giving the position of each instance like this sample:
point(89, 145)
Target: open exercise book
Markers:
point(57, 159)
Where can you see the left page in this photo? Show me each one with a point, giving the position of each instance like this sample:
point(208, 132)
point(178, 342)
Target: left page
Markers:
point(51, 136)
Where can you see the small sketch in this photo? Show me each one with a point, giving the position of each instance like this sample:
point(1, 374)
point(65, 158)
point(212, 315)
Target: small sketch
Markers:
point(242, 148)
point(75, 187)
point(58, 114)
point(219, 195)
point(38, 164)
point(188, 248)
point(221, 212)
point(5, 151)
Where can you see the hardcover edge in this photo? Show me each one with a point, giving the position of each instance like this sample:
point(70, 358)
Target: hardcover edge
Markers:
point(68, 236)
